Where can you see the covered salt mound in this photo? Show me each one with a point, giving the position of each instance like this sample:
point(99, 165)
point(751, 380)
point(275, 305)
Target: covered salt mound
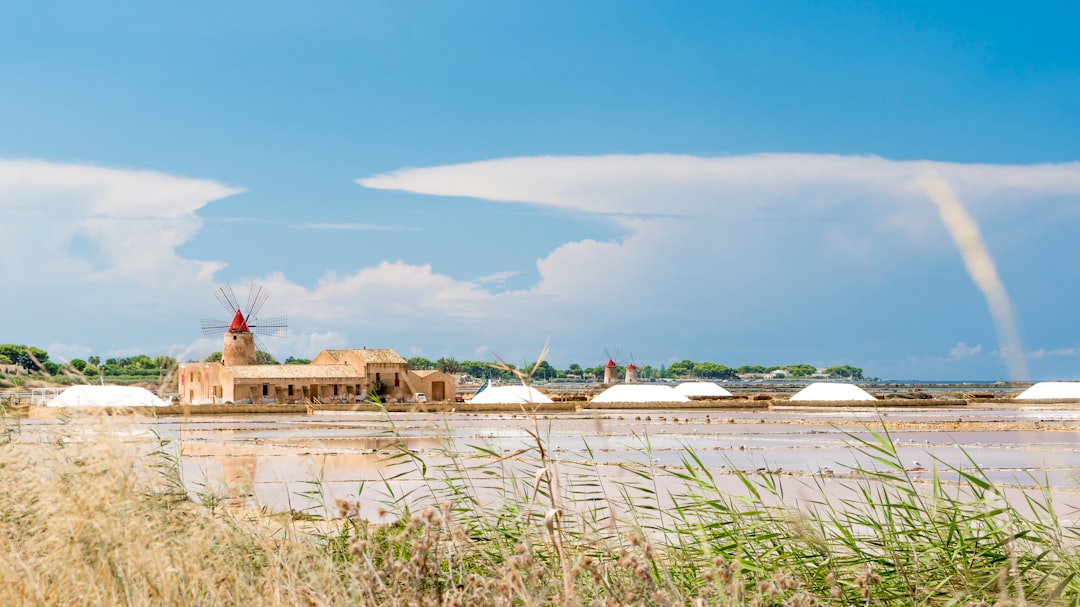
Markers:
point(1045, 390)
point(105, 396)
point(701, 389)
point(509, 395)
point(830, 391)
point(638, 393)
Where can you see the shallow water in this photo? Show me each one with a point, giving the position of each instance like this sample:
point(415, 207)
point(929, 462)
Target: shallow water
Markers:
point(297, 462)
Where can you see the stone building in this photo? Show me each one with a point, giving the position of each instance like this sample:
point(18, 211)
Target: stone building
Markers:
point(341, 376)
point(384, 371)
point(435, 385)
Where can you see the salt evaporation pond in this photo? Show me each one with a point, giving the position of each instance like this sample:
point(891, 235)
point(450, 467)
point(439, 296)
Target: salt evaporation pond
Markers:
point(297, 462)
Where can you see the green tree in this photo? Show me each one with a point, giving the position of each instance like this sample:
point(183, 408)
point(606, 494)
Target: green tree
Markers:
point(714, 371)
point(297, 361)
point(5, 360)
point(683, 368)
point(28, 357)
point(575, 369)
point(482, 369)
point(215, 357)
point(846, 371)
point(94, 360)
point(751, 369)
point(79, 364)
point(420, 363)
point(164, 362)
point(141, 361)
point(544, 370)
point(800, 370)
point(597, 371)
point(448, 365)
point(264, 358)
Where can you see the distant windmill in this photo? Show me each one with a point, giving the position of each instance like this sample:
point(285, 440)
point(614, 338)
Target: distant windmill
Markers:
point(243, 331)
point(632, 371)
point(611, 369)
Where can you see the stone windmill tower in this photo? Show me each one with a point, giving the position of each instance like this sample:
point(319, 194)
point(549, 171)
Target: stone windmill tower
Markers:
point(632, 371)
point(242, 332)
point(611, 369)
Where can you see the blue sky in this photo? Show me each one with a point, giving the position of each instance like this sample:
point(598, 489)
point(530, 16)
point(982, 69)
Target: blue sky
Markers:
point(735, 182)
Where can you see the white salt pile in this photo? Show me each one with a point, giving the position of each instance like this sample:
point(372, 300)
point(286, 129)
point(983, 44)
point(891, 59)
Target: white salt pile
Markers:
point(1051, 389)
point(509, 395)
point(832, 391)
point(106, 396)
point(638, 393)
point(701, 389)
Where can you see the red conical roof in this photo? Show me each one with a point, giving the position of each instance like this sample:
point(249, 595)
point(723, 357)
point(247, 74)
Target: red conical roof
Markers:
point(610, 363)
point(239, 325)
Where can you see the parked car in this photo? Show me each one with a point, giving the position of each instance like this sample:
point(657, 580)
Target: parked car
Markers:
point(420, 397)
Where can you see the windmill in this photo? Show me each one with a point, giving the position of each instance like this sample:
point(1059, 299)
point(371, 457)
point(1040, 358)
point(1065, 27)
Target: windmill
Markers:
point(632, 371)
point(611, 369)
point(243, 331)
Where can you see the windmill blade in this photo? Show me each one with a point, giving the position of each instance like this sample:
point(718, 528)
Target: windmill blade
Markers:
point(227, 298)
point(276, 326)
point(257, 296)
point(213, 327)
point(260, 345)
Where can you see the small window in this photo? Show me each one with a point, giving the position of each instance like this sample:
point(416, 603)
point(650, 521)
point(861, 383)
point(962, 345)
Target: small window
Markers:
point(290, 390)
point(266, 389)
point(397, 381)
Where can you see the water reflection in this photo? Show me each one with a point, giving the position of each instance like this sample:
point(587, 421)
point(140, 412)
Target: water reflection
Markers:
point(304, 463)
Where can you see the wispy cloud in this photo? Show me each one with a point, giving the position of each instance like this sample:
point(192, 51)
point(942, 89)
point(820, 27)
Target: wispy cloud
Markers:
point(241, 220)
point(496, 277)
point(357, 227)
point(1053, 353)
point(962, 350)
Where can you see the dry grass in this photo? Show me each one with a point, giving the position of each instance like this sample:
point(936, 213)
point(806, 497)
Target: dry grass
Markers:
point(96, 520)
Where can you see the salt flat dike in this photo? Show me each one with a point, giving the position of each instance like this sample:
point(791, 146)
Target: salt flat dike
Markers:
point(757, 396)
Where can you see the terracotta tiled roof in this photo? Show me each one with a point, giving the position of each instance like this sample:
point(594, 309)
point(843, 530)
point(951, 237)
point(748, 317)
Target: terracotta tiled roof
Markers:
point(368, 355)
point(384, 356)
point(293, 372)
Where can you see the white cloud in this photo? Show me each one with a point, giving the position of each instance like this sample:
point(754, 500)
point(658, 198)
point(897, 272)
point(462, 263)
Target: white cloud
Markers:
point(1053, 353)
point(84, 224)
point(696, 230)
point(768, 245)
point(962, 350)
point(755, 215)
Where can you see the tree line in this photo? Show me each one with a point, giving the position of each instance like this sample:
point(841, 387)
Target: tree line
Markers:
point(36, 361)
point(677, 370)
